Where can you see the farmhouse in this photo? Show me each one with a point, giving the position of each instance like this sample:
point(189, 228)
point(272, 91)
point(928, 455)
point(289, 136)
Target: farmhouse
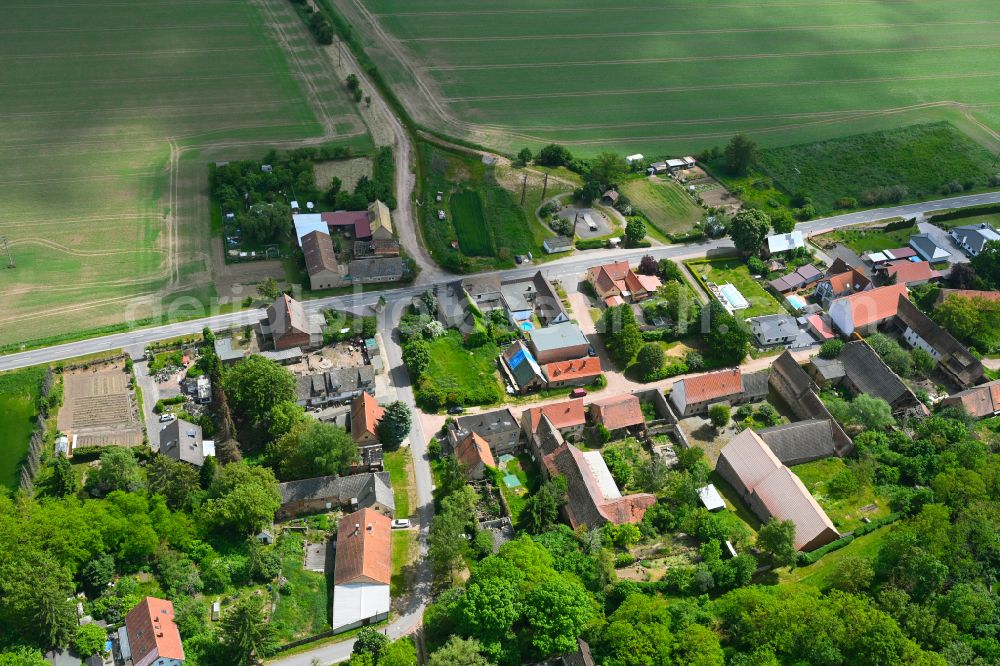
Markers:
point(474, 453)
point(323, 493)
point(772, 490)
point(621, 415)
point(183, 441)
point(618, 280)
point(694, 395)
point(928, 248)
point(909, 273)
point(498, 428)
point(561, 342)
point(979, 401)
point(954, 358)
point(375, 269)
point(533, 295)
point(289, 326)
point(973, 238)
point(862, 312)
point(773, 330)
point(579, 372)
point(321, 261)
point(484, 291)
point(365, 415)
point(785, 242)
point(351, 222)
point(363, 570)
point(380, 221)
point(840, 285)
point(150, 636)
point(520, 368)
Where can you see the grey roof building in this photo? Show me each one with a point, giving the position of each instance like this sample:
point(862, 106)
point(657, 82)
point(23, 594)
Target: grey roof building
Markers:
point(927, 247)
point(953, 357)
point(359, 491)
point(555, 244)
point(866, 372)
point(376, 269)
point(776, 329)
point(224, 350)
point(499, 428)
point(973, 238)
point(484, 291)
point(561, 342)
point(182, 441)
point(334, 385)
point(801, 442)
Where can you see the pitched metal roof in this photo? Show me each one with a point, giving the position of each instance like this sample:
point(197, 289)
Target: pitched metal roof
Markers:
point(750, 458)
point(558, 336)
point(869, 373)
point(786, 498)
point(800, 442)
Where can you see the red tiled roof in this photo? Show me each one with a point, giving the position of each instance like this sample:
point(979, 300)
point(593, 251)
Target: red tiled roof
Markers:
point(607, 275)
point(713, 385)
point(576, 369)
point(849, 282)
point(150, 627)
point(979, 401)
point(364, 548)
point(619, 412)
point(474, 450)
point(611, 301)
point(648, 282)
point(875, 305)
point(365, 415)
point(562, 414)
point(909, 271)
point(821, 326)
point(587, 503)
point(969, 293)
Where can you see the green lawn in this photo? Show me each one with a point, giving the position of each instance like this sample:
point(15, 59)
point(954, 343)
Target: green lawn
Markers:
point(306, 611)
point(19, 391)
point(734, 271)
point(993, 219)
point(820, 574)
point(404, 551)
point(470, 226)
point(843, 511)
point(872, 240)
point(527, 473)
point(397, 463)
point(665, 203)
point(459, 375)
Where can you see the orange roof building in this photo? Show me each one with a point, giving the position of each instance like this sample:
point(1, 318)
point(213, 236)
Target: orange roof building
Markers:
point(979, 401)
point(365, 415)
point(151, 635)
point(694, 395)
point(363, 569)
point(966, 293)
point(912, 272)
point(578, 372)
point(617, 413)
point(568, 415)
point(474, 453)
point(618, 279)
point(864, 311)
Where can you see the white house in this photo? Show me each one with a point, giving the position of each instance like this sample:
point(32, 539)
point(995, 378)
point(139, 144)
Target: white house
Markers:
point(785, 242)
point(973, 237)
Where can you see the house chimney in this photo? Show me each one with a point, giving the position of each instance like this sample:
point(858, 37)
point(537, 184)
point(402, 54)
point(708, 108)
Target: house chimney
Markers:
point(370, 527)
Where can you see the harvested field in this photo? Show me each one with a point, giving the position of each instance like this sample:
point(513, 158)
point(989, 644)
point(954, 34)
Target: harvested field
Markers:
point(348, 171)
point(109, 114)
point(99, 408)
point(661, 78)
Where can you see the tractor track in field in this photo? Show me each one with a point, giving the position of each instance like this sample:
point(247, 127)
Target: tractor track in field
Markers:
point(44, 242)
point(712, 58)
point(119, 54)
point(694, 32)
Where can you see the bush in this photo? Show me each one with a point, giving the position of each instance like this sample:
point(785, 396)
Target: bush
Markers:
point(805, 559)
point(756, 266)
point(624, 560)
point(718, 415)
point(843, 484)
point(960, 213)
point(831, 348)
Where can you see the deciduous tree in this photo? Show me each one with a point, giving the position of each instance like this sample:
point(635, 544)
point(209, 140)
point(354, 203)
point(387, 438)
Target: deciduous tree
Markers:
point(777, 539)
point(748, 229)
point(254, 386)
point(313, 448)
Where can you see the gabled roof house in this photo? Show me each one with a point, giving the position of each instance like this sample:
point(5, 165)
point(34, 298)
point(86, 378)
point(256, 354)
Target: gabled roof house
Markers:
point(694, 395)
point(365, 415)
point(150, 637)
point(290, 326)
point(863, 312)
point(363, 570)
point(978, 401)
point(954, 358)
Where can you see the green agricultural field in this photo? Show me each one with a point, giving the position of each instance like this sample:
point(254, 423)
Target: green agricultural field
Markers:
point(18, 397)
point(666, 78)
point(735, 272)
point(470, 225)
point(924, 159)
point(109, 115)
point(665, 203)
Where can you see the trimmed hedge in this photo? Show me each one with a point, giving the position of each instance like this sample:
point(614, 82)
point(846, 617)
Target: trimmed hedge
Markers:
point(590, 244)
point(904, 223)
point(687, 236)
point(972, 211)
point(805, 559)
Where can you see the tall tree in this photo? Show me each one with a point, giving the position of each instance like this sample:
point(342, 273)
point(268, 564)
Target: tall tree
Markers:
point(777, 539)
point(556, 611)
point(741, 154)
point(254, 386)
point(748, 230)
point(987, 264)
point(728, 338)
point(118, 471)
point(246, 633)
point(313, 448)
point(458, 652)
point(395, 424)
point(635, 230)
point(607, 169)
point(63, 476)
point(177, 481)
point(243, 499)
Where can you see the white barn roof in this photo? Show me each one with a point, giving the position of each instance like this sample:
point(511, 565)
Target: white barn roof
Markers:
point(785, 242)
point(306, 223)
point(355, 602)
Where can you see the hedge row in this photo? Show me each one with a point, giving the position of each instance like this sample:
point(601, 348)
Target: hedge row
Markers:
point(805, 559)
point(960, 213)
point(904, 223)
point(590, 244)
point(687, 236)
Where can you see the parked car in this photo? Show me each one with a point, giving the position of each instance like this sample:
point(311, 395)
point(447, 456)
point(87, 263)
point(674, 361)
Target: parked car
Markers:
point(401, 524)
point(577, 393)
point(166, 418)
point(456, 410)
point(591, 351)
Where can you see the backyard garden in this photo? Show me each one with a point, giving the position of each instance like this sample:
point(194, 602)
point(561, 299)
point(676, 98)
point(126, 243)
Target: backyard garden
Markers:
point(735, 272)
point(455, 372)
point(665, 203)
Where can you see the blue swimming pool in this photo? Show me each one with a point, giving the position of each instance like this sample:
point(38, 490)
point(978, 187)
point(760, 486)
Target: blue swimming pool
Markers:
point(527, 326)
point(796, 302)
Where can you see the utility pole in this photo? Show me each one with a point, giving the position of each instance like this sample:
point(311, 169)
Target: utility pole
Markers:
point(524, 188)
point(6, 247)
point(545, 187)
point(576, 218)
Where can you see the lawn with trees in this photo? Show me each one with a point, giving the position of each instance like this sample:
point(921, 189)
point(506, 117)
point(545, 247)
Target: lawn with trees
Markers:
point(448, 370)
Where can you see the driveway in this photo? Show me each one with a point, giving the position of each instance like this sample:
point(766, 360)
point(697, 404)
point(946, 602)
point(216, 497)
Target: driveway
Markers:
point(150, 395)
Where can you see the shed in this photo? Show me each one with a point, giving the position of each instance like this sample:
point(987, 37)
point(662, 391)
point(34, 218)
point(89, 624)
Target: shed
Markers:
point(710, 498)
